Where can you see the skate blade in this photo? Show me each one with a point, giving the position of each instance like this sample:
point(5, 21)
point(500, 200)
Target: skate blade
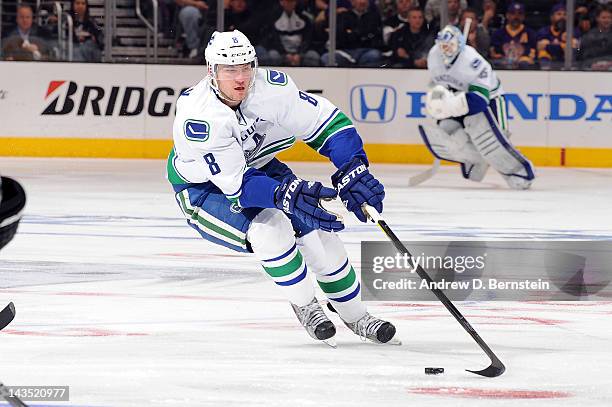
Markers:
point(394, 341)
point(331, 342)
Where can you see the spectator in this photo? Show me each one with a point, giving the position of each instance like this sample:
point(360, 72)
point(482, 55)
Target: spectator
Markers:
point(551, 40)
point(387, 8)
point(88, 36)
point(289, 38)
point(491, 20)
point(432, 11)
point(586, 10)
point(359, 36)
point(167, 12)
point(412, 42)
point(582, 19)
point(27, 42)
point(515, 44)
point(191, 15)
point(597, 43)
point(238, 16)
point(399, 19)
point(478, 37)
point(322, 13)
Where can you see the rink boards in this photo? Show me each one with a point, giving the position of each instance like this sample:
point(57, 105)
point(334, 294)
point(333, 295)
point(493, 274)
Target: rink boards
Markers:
point(114, 110)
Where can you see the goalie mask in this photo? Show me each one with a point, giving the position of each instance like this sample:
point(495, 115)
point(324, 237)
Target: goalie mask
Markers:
point(233, 53)
point(451, 42)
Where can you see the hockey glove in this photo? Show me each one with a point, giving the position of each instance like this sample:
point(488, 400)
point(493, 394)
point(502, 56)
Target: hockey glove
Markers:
point(356, 186)
point(301, 198)
point(441, 103)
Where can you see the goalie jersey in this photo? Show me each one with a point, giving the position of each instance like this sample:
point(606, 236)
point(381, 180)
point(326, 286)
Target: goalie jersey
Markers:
point(218, 144)
point(470, 72)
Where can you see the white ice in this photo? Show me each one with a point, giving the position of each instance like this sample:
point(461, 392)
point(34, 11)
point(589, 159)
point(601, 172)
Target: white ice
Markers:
point(119, 299)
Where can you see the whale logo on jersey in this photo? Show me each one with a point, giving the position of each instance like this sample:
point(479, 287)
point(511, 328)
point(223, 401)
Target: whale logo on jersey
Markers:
point(196, 130)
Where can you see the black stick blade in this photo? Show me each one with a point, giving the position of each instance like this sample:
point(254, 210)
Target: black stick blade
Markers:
point(497, 368)
point(7, 315)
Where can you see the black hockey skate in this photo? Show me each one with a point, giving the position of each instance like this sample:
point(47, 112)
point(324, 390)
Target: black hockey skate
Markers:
point(313, 319)
point(372, 328)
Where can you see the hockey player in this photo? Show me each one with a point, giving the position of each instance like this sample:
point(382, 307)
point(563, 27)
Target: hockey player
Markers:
point(235, 193)
point(467, 100)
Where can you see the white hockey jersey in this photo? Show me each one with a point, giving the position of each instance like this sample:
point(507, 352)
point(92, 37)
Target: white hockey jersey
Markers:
point(213, 142)
point(469, 73)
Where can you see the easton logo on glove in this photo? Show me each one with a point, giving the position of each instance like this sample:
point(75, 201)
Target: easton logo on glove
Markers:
point(356, 186)
point(300, 198)
point(289, 194)
point(347, 178)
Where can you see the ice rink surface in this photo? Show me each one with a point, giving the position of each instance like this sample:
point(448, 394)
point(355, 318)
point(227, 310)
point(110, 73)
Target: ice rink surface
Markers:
point(119, 299)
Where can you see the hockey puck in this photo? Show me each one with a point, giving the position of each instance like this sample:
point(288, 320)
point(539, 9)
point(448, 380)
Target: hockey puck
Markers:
point(434, 370)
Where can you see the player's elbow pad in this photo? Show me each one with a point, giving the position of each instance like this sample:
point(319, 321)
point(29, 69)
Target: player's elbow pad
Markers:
point(476, 104)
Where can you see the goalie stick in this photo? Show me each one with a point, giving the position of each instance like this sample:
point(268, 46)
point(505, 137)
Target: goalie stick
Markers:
point(425, 175)
point(497, 367)
point(6, 316)
point(430, 172)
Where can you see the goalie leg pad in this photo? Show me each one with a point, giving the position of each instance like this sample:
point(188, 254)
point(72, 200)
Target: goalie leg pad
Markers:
point(449, 141)
point(497, 150)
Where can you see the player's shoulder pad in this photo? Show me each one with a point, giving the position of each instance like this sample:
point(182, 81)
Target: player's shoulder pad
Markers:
point(474, 60)
point(212, 121)
point(433, 53)
point(275, 78)
point(272, 84)
point(434, 58)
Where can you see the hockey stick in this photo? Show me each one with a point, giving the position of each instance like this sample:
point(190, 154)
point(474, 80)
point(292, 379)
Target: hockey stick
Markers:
point(429, 173)
point(497, 367)
point(7, 315)
point(425, 175)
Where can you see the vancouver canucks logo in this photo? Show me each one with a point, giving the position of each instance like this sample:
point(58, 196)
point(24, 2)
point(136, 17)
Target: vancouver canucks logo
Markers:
point(276, 77)
point(234, 207)
point(196, 130)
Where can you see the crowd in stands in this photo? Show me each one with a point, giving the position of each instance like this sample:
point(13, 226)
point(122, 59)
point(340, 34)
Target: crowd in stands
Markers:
point(399, 33)
point(370, 33)
point(29, 41)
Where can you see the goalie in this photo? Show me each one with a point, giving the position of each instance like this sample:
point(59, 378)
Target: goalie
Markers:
point(467, 100)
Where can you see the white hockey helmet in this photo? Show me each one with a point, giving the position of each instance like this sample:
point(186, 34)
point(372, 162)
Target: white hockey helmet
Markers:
point(451, 42)
point(228, 48)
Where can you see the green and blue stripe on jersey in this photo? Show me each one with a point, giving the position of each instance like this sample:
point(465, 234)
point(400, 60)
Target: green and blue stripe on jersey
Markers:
point(341, 285)
point(287, 269)
point(337, 139)
point(209, 212)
